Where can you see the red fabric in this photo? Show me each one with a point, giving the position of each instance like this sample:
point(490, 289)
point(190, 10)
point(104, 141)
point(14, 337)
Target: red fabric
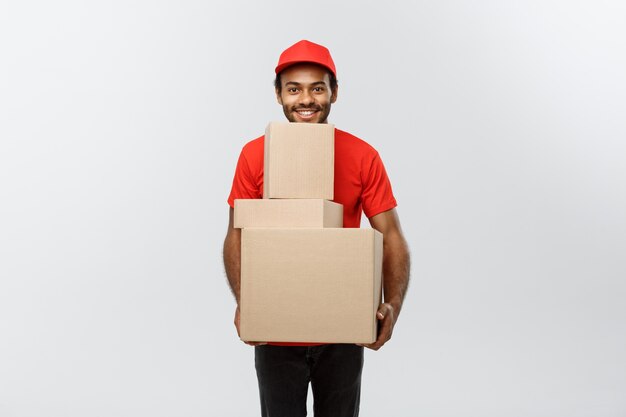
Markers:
point(361, 182)
point(305, 51)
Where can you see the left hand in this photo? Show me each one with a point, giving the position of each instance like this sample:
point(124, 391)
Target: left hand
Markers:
point(236, 322)
point(387, 317)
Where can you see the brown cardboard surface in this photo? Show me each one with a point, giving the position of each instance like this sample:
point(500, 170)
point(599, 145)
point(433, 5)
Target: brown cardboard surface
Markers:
point(310, 285)
point(287, 213)
point(299, 160)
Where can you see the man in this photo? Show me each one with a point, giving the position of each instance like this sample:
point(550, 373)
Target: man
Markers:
point(306, 87)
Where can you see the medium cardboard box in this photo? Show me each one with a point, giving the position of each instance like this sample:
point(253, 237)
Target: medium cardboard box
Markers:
point(310, 285)
point(288, 213)
point(299, 160)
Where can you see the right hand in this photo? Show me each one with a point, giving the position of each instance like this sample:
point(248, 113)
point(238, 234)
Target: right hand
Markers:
point(238, 334)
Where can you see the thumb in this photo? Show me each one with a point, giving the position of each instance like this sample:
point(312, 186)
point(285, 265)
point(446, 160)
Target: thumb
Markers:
point(382, 312)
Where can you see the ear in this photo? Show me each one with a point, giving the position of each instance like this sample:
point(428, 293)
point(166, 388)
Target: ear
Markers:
point(333, 95)
point(278, 97)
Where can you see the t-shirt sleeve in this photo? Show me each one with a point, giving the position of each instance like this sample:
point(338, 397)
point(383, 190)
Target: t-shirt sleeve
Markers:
point(377, 195)
point(244, 185)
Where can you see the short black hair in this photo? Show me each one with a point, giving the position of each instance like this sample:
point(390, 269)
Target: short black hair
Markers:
point(333, 82)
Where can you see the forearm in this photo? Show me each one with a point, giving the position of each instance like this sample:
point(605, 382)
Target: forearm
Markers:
point(232, 260)
point(396, 270)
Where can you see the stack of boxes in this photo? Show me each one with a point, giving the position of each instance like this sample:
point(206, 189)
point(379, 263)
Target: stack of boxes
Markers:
point(304, 278)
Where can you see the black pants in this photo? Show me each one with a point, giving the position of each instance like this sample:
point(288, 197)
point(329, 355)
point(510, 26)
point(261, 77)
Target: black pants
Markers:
point(284, 373)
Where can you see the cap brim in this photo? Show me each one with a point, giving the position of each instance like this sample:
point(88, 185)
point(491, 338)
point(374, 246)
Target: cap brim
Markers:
point(286, 65)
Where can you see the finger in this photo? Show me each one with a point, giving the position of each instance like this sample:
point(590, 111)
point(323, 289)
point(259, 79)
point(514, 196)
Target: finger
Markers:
point(377, 343)
point(383, 335)
point(237, 325)
point(383, 311)
point(384, 330)
point(386, 325)
point(373, 346)
point(255, 343)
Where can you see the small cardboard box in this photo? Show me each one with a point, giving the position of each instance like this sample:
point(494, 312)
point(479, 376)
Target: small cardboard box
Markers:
point(310, 285)
point(299, 160)
point(288, 213)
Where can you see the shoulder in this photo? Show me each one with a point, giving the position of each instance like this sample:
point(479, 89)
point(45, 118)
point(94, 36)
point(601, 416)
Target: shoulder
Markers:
point(355, 147)
point(251, 156)
point(358, 144)
point(254, 147)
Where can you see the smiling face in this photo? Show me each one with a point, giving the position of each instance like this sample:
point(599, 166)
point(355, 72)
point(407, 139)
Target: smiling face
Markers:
point(305, 93)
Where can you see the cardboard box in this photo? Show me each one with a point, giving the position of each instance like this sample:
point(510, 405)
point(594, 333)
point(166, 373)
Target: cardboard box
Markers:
point(288, 213)
point(310, 285)
point(299, 160)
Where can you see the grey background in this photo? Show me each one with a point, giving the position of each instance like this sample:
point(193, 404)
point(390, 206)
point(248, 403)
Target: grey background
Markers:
point(502, 128)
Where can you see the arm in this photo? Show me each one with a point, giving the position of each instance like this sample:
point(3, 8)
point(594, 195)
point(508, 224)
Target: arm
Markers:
point(232, 265)
point(396, 268)
point(232, 256)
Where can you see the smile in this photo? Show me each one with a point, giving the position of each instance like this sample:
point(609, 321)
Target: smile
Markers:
point(306, 114)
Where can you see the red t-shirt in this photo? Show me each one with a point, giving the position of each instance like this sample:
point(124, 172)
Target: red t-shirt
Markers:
point(361, 182)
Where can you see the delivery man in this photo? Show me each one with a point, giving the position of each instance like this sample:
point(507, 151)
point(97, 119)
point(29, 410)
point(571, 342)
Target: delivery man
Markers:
point(306, 87)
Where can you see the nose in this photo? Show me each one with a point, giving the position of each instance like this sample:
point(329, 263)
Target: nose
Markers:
point(306, 98)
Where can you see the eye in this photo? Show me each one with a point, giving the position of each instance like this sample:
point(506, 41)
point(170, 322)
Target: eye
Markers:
point(318, 89)
point(292, 90)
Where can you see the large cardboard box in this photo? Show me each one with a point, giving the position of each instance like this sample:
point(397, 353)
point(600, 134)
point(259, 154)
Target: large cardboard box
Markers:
point(310, 285)
point(288, 213)
point(299, 160)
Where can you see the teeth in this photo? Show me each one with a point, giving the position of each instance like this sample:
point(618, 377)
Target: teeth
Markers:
point(305, 112)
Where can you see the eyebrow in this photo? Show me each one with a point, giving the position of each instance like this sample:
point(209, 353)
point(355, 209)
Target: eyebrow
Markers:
point(297, 83)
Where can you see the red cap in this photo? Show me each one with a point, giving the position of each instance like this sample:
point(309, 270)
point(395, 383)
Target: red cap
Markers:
point(305, 51)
